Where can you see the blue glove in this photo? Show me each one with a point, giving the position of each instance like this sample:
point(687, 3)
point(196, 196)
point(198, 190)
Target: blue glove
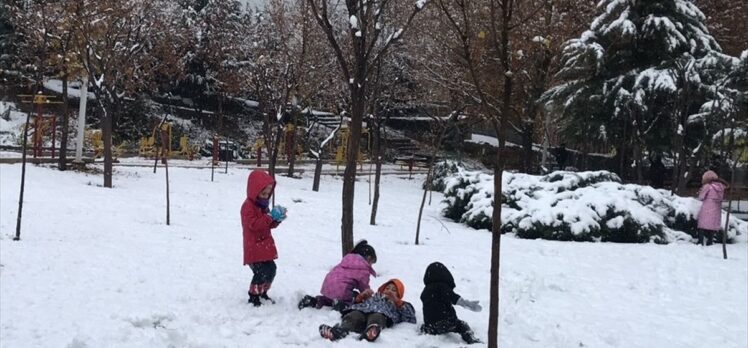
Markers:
point(278, 213)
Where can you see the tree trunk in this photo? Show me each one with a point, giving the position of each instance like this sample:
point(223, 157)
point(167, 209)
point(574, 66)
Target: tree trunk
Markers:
point(423, 203)
point(638, 160)
point(527, 132)
point(500, 128)
point(106, 134)
point(377, 180)
point(680, 179)
point(275, 150)
point(729, 210)
point(682, 172)
point(377, 157)
point(495, 296)
point(317, 173)
point(164, 152)
point(622, 152)
point(23, 171)
point(349, 175)
point(732, 187)
point(677, 144)
point(585, 156)
point(493, 313)
point(62, 162)
point(292, 145)
point(427, 189)
point(546, 142)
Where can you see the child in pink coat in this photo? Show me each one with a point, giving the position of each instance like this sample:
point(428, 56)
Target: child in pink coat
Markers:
point(710, 215)
point(346, 280)
point(259, 246)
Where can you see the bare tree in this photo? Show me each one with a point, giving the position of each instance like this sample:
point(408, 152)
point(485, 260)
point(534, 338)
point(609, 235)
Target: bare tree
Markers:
point(317, 151)
point(479, 39)
point(122, 47)
point(48, 25)
point(537, 46)
point(284, 75)
point(369, 29)
point(439, 128)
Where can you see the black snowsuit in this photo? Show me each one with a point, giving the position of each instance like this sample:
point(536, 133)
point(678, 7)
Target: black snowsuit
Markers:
point(438, 299)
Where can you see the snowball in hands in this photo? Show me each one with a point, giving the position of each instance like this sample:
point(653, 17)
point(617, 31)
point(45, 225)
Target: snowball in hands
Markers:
point(278, 213)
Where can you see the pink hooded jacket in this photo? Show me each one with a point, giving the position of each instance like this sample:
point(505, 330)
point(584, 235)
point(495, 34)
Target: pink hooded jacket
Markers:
point(710, 214)
point(351, 273)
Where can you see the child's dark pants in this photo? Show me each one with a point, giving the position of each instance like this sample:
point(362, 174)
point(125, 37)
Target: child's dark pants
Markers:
point(264, 273)
point(358, 321)
point(709, 236)
point(446, 326)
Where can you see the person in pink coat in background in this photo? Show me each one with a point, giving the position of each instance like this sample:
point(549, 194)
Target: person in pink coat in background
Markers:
point(710, 215)
point(346, 280)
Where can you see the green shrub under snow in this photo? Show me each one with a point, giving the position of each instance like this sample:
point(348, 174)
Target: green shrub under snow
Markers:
point(442, 170)
point(586, 206)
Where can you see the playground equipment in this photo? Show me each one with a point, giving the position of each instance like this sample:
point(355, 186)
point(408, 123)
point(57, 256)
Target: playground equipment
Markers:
point(148, 147)
point(95, 141)
point(257, 148)
point(341, 151)
point(93, 137)
point(186, 149)
point(286, 141)
point(41, 123)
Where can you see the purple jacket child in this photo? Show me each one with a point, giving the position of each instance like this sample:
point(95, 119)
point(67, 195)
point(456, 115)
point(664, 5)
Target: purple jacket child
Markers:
point(352, 273)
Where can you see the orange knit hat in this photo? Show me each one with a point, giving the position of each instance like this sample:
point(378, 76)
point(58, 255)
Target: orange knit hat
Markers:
point(400, 289)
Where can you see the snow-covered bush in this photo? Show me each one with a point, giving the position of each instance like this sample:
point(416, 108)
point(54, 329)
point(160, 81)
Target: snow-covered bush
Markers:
point(441, 171)
point(586, 206)
point(458, 190)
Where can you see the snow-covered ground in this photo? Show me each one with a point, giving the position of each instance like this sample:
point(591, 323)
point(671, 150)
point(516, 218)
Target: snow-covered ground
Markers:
point(99, 267)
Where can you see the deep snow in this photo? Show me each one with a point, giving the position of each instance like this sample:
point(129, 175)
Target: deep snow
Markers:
point(99, 267)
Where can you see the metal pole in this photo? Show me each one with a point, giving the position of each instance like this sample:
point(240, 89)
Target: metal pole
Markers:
point(54, 133)
point(81, 120)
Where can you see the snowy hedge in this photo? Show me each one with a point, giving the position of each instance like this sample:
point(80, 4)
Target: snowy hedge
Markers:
point(442, 170)
point(585, 206)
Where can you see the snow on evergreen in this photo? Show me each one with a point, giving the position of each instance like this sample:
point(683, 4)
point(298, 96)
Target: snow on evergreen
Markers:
point(634, 64)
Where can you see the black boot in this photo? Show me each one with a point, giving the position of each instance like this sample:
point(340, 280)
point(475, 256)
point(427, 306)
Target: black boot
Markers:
point(466, 333)
point(469, 337)
point(371, 333)
point(254, 300)
point(265, 297)
point(339, 306)
point(333, 333)
point(307, 301)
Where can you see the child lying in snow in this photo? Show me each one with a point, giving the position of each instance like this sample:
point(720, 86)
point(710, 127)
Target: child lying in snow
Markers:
point(372, 313)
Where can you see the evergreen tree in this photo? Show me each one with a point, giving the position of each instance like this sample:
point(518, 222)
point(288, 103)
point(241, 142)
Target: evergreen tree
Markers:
point(217, 28)
point(7, 38)
point(637, 74)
